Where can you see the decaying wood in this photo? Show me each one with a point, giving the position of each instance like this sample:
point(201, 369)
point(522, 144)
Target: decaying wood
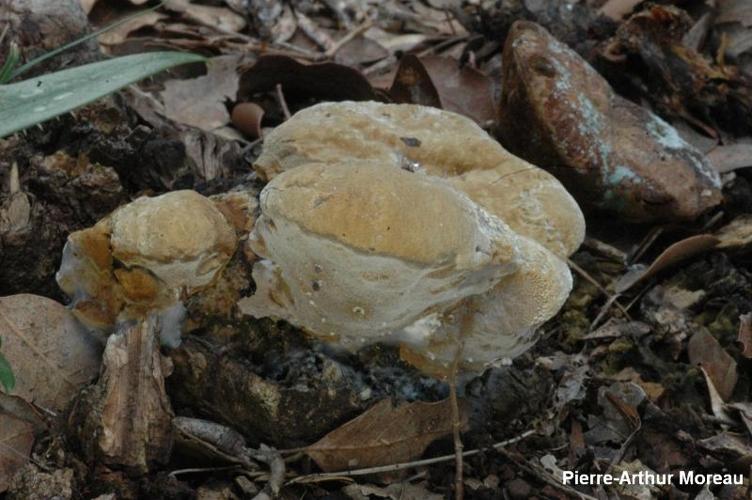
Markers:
point(128, 411)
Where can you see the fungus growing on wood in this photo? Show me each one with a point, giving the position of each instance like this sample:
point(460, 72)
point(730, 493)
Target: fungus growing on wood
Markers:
point(357, 252)
point(144, 257)
point(440, 143)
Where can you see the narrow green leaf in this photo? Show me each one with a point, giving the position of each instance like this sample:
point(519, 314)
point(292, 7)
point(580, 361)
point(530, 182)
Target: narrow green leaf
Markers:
point(11, 60)
point(35, 100)
point(7, 380)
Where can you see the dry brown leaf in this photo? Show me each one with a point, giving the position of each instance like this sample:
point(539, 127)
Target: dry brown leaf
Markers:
point(360, 50)
point(731, 11)
point(16, 439)
point(435, 79)
point(678, 252)
point(745, 334)
point(220, 18)
point(394, 491)
point(728, 158)
point(51, 354)
point(118, 34)
point(704, 350)
point(617, 9)
point(412, 84)
point(383, 435)
point(328, 81)
point(200, 102)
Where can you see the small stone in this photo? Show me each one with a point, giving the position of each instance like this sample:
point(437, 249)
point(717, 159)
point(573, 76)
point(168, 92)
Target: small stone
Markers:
point(559, 113)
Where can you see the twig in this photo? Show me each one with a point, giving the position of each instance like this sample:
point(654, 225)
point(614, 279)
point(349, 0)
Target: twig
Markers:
point(459, 490)
point(281, 101)
point(359, 30)
point(597, 285)
point(646, 243)
point(324, 476)
point(542, 474)
point(196, 470)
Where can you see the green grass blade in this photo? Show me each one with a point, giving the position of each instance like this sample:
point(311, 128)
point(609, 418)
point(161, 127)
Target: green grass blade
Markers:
point(6, 72)
point(35, 100)
point(7, 380)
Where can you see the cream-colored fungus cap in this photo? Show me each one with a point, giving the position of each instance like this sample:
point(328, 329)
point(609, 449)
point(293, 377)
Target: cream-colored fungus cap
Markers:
point(441, 143)
point(358, 253)
point(145, 256)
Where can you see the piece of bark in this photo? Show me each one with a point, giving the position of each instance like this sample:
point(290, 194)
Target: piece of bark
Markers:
point(284, 413)
point(647, 56)
point(42, 199)
point(126, 419)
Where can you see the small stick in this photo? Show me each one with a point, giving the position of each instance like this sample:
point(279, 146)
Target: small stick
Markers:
point(323, 476)
point(282, 102)
point(198, 470)
point(597, 285)
point(359, 30)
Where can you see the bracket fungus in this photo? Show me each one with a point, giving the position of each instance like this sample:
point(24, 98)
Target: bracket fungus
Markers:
point(408, 225)
point(144, 257)
point(440, 143)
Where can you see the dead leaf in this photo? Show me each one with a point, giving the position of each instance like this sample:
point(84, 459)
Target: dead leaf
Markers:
point(200, 102)
point(118, 34)
point(729, 446)
point(739, 11)
point(16, 440)
point(673, 255)
point(717, 406)
point(704, 350)
point(737, 234)
point(220, 18)
point(617, 9)
point(745, 334)
point(729, 158)
point(383, 435)
point(745, 413)
point(412, 84)
point(51, 354)
point(394, 491)
point(360, 50)
point(456, 88)
point(328, 81)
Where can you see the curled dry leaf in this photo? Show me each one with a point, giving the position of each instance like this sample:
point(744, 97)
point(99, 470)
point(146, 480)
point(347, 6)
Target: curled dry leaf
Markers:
point(673, 255)
point(745, 334)
point(383, 435)
point(329, 81)
point(441, 82)
point(704, 350)
point(728, 158)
